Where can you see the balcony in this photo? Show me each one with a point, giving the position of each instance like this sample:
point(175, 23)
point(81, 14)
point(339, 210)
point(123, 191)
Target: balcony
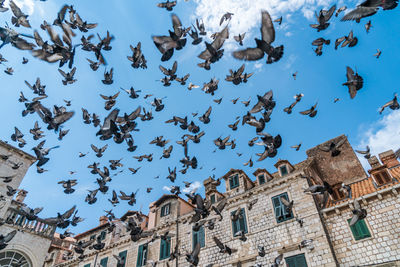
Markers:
point(38, 227)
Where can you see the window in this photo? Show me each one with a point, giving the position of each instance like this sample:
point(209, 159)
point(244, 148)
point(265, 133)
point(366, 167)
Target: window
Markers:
point(123, 257)
point(240, 224)
point(382, 178)
point(165, 248)
point(13, 258)
point(337, 194)
point(261, 179)
point(142, 255)
point(92, 237)
point(296, 261)
point(234, 181)
point(198, 237)
point(360, 230)
point(165, 210)
point(212, 199)
point(283, 170)
point(102, 235)
point(281, 214)
point(86, 265)
point(103, 262)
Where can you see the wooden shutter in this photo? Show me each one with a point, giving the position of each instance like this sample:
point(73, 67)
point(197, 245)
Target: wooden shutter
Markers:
point(360, 230)
point(202, 239)
point(235, 227)
point(195, 239)
point(162, 245)
point(102, 235)
point(280, 210)
point(123, 256)
point(165, 248)
point(277, 207)
point(103, 262)
point(140, 256)
point(364, 229)
point(296, 261)
point(243, 222)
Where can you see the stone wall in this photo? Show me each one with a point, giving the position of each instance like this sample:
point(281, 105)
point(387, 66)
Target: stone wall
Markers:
point(383, 221)
point(263, 230)
point(6, 170)
point(32, 246)
point(344, 167)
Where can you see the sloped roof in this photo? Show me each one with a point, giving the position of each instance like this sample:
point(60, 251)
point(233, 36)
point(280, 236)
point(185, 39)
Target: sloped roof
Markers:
point(366, 186)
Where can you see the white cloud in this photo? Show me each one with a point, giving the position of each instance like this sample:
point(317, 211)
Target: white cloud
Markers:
point(247, 12)
point(166, 188)
point(193, 187)
point(382, 136)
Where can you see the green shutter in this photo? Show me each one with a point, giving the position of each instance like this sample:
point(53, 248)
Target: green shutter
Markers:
point(201, 236)
point(234, 226)
point(103, 262)
point(280, 210)
point(198, 237)
point(212, 198)
point(234, 181)
point(87, 265)
point(195, 239)
point(123, 256)
point(296, 261)
point(165, 248)
point(240, 224)
point(139, 256)
point(142, 255)
point(243, 222)
point(102, 235)
point(360, 230)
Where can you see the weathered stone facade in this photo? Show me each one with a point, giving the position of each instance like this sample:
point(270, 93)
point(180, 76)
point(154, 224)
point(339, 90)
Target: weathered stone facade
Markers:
point(33, 238)
point(325, 223)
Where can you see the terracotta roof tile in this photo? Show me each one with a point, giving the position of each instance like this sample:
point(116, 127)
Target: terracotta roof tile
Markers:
point(366, 186)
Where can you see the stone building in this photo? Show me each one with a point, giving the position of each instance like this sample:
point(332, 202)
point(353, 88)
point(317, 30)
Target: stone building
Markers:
point(314, 233)
point(14, 164)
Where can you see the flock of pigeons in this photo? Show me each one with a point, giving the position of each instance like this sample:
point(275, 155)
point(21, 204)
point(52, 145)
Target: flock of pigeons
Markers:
point(121, 126)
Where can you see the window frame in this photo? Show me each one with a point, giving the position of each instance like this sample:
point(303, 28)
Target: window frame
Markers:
point(202, 241)
point(282, 208)
point(213, 199)
point(164, 208)
point(286, 170)
point(337, 194)
point(106, 261)
point(103, 235)
point(142, 260)
point(234, 181)
point(357, 228)
point(236, 224)
point(379, 176)
point(301, 255)
point(263, 178)
point(168, 250)
point(126, 256)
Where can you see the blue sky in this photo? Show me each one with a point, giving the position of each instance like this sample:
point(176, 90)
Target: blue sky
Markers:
point(319, 79)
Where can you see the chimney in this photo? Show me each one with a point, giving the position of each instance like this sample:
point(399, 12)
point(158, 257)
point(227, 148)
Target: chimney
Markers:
point(21, 195)
point(389, 159)
point(374, 162)
point(103, 220)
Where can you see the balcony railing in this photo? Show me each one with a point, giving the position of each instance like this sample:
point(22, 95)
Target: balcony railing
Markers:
point(39, 227)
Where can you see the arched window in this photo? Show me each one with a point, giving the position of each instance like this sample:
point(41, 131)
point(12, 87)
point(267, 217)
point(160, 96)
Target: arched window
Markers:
point(10, 258)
